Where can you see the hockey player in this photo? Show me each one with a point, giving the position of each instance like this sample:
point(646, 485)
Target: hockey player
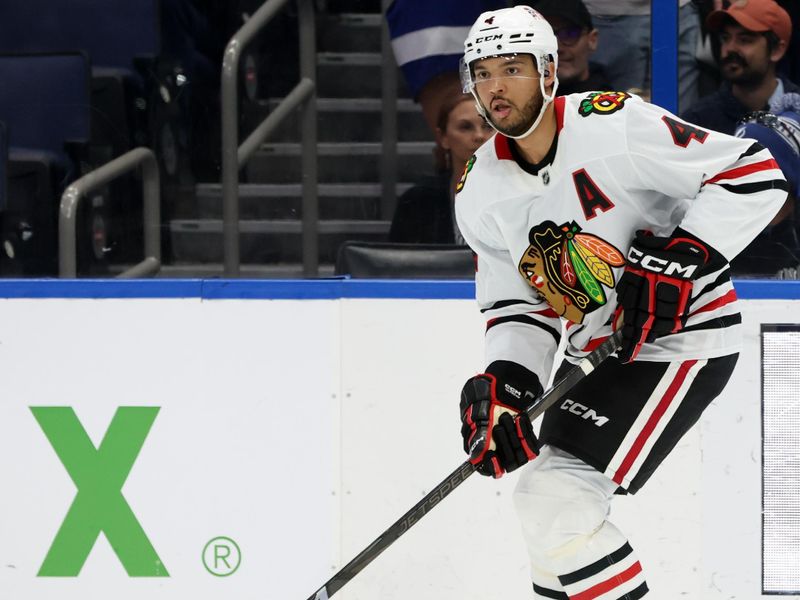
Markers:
point(591, 212)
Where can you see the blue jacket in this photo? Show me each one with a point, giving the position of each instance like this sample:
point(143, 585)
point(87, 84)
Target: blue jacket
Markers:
point(721, 110)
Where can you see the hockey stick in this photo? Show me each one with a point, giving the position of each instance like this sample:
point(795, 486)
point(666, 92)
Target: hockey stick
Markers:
point(457, 477)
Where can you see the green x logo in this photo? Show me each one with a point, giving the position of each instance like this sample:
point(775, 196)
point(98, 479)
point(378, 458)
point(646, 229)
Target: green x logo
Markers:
point(99, 475)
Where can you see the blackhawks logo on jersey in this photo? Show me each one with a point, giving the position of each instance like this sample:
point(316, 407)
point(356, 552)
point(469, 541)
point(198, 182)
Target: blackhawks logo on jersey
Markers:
point(467, 169)
point(569, 268)
point(602, 103)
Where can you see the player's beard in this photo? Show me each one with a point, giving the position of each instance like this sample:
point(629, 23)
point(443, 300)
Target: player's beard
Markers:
point(527, 115)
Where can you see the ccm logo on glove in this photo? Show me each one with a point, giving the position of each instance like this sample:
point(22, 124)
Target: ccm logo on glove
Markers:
point(660, 265)
point(654, 292)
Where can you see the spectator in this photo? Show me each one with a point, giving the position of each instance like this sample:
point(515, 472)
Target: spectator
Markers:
point(754, 36)
point(777, 247)
point(577, 40)
point(428, 42)
point(424, 213)
point(624, 47)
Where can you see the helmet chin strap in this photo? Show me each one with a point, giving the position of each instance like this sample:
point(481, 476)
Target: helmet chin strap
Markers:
point(546, 99)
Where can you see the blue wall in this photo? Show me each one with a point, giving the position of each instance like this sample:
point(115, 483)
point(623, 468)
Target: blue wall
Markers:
point(317, 289)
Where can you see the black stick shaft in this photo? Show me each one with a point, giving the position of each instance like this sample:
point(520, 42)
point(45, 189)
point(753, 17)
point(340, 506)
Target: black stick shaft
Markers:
point(457, 477)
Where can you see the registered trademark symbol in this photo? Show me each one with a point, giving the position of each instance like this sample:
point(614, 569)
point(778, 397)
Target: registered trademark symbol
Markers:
point(221, 556)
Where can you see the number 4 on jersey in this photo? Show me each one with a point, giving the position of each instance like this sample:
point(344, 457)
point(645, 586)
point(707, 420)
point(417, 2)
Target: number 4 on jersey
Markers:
point(683, 133)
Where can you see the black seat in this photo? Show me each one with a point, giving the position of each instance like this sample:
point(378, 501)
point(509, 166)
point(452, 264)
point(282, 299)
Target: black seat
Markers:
point(383, 260)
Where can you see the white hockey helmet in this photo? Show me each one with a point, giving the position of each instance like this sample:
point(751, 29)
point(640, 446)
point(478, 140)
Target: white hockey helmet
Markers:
point(517, 30)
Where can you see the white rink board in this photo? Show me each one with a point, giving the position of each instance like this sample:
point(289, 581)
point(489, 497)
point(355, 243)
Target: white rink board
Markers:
point(303, 428)
point(244, 445)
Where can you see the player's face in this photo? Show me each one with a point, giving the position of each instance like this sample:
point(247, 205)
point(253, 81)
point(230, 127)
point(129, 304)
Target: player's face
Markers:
point(744, 55)
point(575, 44)
point(465, 133)
point(508, 88)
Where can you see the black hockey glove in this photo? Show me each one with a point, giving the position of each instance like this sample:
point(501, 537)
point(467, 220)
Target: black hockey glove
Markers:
point(654, 291)
point(498, 435)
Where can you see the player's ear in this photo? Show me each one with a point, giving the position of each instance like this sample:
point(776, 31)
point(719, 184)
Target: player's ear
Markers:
point(550, 73)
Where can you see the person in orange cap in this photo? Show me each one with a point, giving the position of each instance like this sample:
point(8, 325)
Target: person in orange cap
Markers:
point(754, 35)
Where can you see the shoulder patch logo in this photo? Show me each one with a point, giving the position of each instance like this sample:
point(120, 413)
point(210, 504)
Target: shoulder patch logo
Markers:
point(569, 268)
point(602, 103)
point(467, 169)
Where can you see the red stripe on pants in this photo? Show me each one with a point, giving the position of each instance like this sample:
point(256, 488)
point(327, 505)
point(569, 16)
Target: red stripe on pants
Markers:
point(610, 584)
point(650, 426)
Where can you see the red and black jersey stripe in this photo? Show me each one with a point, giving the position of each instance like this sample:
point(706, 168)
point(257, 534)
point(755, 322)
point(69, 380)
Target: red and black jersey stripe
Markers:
point(526, 320)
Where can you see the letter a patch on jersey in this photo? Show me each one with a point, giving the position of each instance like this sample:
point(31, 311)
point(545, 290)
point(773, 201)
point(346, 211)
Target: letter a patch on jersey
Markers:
point(592, 198)
point(683, 133)
point(569, 268)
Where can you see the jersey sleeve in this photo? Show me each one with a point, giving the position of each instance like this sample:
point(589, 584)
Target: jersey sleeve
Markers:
point(734, 185)
point(520, 326)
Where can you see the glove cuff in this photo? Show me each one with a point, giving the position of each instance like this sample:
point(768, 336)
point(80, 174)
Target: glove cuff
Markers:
point(713, 258)
point(516, 386)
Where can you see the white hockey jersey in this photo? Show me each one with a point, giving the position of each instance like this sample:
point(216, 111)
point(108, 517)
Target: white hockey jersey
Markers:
point(551, 240)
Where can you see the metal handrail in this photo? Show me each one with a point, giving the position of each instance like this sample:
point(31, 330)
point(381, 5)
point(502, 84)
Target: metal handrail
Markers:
point(72, 196)
point(235, 156)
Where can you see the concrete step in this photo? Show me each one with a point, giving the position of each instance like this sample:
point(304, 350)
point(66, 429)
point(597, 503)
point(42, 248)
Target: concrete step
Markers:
point(353, 120)
point(338, 163)
point(266, 241)
point(353, 75)
point(284, 201)
point(349, 32)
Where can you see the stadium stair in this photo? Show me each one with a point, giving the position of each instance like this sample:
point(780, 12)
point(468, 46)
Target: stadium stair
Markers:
point(349, 132)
